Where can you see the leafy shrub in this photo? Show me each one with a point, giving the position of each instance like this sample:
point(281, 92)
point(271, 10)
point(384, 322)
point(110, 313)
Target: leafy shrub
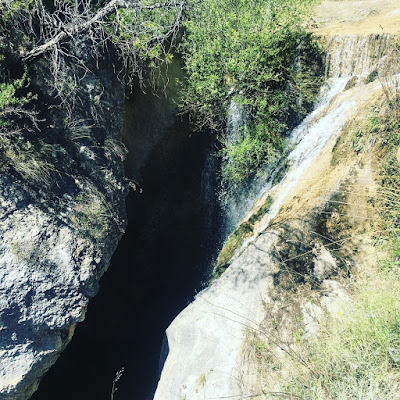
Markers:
point(12, 104)
point(250, 52)
point(238, 155)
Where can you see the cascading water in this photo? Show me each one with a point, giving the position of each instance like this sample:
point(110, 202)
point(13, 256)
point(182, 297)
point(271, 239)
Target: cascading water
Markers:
point(233, 197)
point(355, 55)
point(349, 58)
point(237, 198)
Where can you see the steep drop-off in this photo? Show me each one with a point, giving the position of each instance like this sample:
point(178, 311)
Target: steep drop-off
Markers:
point(62, 214)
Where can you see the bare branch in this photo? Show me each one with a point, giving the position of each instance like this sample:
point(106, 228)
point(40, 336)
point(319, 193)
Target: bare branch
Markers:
point(75, 28)
point(74, 36)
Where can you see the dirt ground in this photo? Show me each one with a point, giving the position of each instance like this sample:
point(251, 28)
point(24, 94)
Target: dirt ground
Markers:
point(334, 17)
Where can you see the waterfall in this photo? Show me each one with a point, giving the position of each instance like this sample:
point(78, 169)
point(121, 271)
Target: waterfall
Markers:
point(237, 122)
point(357, 55)
point(350, 61)
point(236, 199)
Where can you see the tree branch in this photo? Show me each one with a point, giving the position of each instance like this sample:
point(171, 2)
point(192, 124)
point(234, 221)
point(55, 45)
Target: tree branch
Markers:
point(109, 8)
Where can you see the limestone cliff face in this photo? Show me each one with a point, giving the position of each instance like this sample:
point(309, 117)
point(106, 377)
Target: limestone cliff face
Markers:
point(57, 235)
point(209, 344)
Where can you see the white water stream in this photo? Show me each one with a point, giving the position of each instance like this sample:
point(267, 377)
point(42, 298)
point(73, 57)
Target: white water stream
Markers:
point(349, 59)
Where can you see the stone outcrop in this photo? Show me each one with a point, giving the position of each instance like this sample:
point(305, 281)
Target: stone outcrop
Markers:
point(58, 233)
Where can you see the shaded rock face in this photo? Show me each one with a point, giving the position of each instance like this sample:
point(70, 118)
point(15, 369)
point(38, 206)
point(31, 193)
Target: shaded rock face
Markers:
point(57, 238)
point(44, 269)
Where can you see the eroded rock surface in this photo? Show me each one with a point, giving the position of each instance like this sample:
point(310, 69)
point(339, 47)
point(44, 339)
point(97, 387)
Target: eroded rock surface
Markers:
point(205, 339)
point(58, 233)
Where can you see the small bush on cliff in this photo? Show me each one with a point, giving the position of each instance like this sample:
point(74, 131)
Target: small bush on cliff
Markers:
point(249, 52)
point(17, 120)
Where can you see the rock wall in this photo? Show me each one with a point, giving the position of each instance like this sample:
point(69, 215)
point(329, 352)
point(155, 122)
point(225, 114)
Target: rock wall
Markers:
point(58, 232)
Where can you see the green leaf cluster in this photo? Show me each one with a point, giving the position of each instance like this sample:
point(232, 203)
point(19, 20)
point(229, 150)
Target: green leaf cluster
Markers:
point(246, 51)
point(10, 99)
point(8, 95)
point(251, 147)
point(139, 29)
point(10, 8)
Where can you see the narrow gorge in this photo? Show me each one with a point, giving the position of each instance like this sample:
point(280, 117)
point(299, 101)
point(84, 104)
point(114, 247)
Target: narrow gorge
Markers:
point(163, 258)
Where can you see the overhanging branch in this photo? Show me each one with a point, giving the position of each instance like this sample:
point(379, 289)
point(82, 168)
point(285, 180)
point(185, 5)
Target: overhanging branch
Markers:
point(72, 29)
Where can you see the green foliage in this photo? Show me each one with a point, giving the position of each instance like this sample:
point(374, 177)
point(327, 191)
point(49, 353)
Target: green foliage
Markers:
point(22, 149)
point(372, 76)
point(139, 29)
point(358, 141)
point(9, 98)
point(239, 154)
point(351, 83)
point(245, 50)
point(365, 133)
point(14, 100)
point(10, 8)
point(7, 93)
